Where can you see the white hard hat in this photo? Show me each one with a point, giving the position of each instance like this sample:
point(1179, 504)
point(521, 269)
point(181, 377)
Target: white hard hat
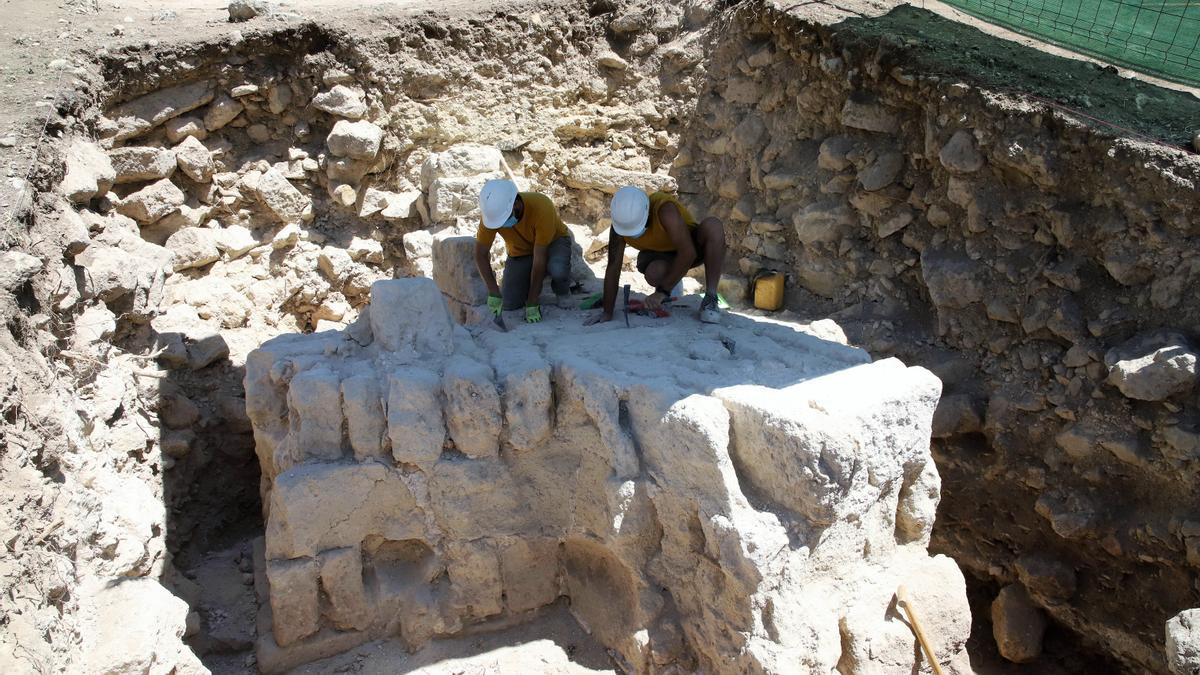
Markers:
point(630, 211)
point(496, 202)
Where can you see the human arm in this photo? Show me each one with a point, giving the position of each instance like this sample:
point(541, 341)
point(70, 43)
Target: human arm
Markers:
point(612, 278)
point(537, 274)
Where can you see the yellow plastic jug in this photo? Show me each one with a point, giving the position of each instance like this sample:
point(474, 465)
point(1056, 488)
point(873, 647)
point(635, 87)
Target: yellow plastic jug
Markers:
point(768, 291)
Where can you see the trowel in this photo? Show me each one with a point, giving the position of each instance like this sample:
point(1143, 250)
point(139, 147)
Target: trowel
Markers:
point(499, 321)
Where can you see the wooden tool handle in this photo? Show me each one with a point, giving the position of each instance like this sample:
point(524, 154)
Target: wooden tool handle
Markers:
point(902, 597)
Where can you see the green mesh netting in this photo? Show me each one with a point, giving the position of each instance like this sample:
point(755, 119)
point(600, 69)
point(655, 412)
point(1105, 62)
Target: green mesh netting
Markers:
point(1159, 37)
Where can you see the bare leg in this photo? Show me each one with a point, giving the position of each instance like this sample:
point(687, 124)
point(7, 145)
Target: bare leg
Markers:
point(655, 272)
point(712, 239)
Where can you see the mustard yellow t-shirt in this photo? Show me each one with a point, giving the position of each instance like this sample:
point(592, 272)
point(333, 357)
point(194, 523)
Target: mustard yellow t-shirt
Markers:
point(656, 238)
point(539, 225)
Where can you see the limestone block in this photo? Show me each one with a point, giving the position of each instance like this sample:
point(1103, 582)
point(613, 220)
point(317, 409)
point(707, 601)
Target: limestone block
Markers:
point(195, 160)
point(356, 140)
point(396, 303)
point(960, 155)
point(474, 571)
point(529, 569)
point(800, 445)
point(462, 160)
point(919, 497)
point(528, 396)
point(453, 197)
point(1152, 367)
point(478, 498)
point(89, 172)
point(133, 625)
point(342, 580)
point(418, 248)
point(143, 114)
point(152, 202)
point(953, 280)
point(366, 250)
point(472, 407)
point(878, 639)
point(869, 117)
point(16, 269)
point(282, 199)
point(882, 172)
point(234, 241)
point(295, 599)
point(609, 179)
point(366, 426)
point(342, 101)
point(182, 127)
point(316, 507)
point(193, 247)
point(136, 163)
point(1183, 642)
point(833, 152)
point(1017, 625)
point(414, 416)
point(823, 222)
point(222, 111)
point(107, 272)
point(314, 399)
point(455, 272)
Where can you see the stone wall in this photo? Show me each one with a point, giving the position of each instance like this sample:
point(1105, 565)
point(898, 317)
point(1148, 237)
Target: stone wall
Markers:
point(744, 498)
point(1039, 265)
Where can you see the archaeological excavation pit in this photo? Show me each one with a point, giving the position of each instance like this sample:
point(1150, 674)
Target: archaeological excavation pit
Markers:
point(256, 394)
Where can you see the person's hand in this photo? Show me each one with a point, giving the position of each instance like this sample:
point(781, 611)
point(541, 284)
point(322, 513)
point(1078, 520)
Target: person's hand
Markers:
point(599, 317)
point(533, 313)
point(494, 304)
point(654, 301)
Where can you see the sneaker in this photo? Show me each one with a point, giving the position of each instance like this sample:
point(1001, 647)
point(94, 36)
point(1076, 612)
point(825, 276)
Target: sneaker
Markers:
point(564, 301)
point(708, 310)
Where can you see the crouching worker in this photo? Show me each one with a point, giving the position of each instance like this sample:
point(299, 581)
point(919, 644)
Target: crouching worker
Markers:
point(537, 241)
point(669, 241)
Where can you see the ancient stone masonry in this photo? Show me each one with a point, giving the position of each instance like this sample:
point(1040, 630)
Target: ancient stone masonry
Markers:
point(1039, 265)
point(743, 498)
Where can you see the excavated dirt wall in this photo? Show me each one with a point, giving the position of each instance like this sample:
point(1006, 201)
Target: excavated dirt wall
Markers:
point(1026, 255)
point(905, 186)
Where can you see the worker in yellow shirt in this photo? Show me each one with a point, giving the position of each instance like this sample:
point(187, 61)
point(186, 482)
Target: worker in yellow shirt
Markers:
point(538, 244)
point(669, 241)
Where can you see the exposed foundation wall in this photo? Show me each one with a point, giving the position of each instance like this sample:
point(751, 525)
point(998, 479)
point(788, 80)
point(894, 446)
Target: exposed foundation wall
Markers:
point(1010, 249)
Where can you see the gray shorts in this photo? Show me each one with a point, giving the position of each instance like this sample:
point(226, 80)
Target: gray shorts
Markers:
point(514, 288)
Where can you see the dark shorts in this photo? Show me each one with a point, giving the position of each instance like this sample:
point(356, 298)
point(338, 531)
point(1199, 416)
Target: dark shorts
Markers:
point(646, 257)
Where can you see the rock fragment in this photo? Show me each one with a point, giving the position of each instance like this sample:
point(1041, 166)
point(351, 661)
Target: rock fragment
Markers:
point(138, 164)
point(16, 269)
point(1017, 625)
point(152, 202)
point(1152, 367)
point(342, 101)
point(357, 140)
point(960, 155)
point(195, 160)
point(89, 172)
point(1183, 642)
point(221, 112)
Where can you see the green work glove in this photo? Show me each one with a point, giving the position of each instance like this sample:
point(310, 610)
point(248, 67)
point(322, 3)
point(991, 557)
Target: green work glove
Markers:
point(533, 313)
point(494, 304)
